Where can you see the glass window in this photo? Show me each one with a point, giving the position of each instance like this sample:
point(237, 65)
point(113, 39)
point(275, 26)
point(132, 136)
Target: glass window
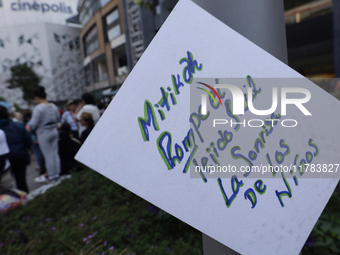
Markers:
point(88, 75)
point(113, 32)
point(88, 9)
point(120, 61)
point(91, 41)
point(112, 17)
point(100, 70)
point(112, 25)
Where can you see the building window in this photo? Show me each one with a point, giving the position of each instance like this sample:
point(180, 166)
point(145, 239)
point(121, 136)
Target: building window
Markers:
point(120, 61)
point(91, 41)
point(100, 72)
point(88, 75)
point(88, 9)
point(112, 25)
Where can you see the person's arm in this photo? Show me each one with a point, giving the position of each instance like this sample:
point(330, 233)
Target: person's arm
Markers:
point(97, 117)
point(80, 106)
point(79, 113)
point(57, 114)
point(35, 118)
point(63, 117)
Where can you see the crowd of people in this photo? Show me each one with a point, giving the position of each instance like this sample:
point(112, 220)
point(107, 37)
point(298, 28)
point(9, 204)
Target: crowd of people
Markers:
point(53, 135)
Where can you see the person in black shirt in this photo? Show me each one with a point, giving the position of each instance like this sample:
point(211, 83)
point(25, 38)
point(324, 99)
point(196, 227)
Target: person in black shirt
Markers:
point(68, 148)
point(86, 120)
point(19, 141)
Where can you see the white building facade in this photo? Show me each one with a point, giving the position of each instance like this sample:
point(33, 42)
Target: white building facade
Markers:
point(35, 32)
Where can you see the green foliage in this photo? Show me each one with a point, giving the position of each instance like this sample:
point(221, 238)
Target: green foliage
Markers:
point(2, 99)
point(325, 237)
point(25, 78)
point(89, 214)
point(151, 4)
point(148, 4)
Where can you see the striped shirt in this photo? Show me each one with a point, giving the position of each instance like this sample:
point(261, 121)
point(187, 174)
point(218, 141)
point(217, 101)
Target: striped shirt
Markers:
point(67, 117)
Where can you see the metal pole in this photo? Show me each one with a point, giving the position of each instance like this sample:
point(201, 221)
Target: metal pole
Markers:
point(212, 247)
point(262, 22)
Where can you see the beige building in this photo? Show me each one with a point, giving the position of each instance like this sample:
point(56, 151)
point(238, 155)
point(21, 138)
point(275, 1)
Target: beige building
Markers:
point(103, 46)
point(114, 36)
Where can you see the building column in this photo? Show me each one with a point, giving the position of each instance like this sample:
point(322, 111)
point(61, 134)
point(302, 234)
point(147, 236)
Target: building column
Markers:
point(336, 35)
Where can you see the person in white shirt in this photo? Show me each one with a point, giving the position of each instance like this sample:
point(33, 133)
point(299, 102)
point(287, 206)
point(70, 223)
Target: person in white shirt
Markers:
point(90, 107)
point(71, 118)
point(4, 150)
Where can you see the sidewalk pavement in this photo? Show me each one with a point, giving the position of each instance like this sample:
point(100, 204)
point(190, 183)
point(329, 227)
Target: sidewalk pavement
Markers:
point(8, 182)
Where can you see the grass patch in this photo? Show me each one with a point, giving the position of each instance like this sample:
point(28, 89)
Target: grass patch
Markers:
point(325, 237)
point(89, 214)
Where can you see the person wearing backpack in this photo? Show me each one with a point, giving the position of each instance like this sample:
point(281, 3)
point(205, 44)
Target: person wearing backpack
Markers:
point(19, 142)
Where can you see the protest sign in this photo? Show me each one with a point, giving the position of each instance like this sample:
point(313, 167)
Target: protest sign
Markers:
point(143, 141)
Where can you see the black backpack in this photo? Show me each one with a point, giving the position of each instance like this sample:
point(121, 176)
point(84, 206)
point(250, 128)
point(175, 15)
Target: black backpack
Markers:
point(15, 141)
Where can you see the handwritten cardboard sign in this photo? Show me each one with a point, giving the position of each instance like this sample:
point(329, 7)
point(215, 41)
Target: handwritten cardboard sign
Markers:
point(155, 102)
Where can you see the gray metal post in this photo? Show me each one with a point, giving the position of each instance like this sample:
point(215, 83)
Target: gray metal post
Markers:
point(262, 22)
point(212, 247)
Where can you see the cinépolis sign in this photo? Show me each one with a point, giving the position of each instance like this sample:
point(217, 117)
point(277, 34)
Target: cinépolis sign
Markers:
point(42, 7)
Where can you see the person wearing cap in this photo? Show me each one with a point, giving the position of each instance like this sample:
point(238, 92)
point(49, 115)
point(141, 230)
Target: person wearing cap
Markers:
point(71, 118)
point(86, 121)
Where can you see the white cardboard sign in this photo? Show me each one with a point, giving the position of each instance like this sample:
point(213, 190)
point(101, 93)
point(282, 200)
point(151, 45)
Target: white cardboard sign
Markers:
point(118, 149)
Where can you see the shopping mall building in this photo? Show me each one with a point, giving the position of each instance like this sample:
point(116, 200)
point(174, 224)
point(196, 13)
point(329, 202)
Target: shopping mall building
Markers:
point(36, 32)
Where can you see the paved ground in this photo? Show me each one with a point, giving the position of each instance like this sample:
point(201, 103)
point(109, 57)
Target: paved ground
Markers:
point(8, 182)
